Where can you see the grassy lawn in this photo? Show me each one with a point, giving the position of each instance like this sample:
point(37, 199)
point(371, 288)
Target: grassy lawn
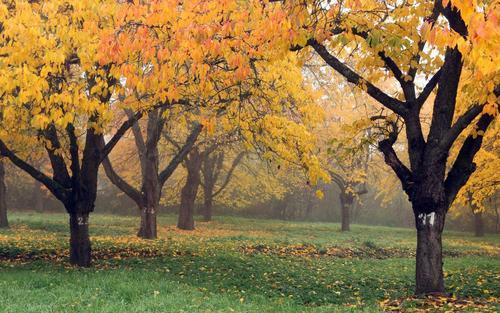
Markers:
point(235, 264)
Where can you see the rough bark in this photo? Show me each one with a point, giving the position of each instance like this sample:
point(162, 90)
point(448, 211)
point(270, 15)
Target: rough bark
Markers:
point(4, 222)
point(80, 250)
point(189, 191)
point(429, 265)
point(148, 227)
point(151, 187)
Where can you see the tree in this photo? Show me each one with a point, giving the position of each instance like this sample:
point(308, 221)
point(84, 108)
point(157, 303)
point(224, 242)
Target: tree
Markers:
point(200, 162)
point(453, 43)
point(212, 68)
point(152, 179)
point(57, 95)
point(211, 169)
point(346, 132)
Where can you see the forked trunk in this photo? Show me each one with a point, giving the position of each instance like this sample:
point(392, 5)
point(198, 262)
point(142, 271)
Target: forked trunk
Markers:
point(4, 222)
point(148, 227)
point(478, 224)
point(80, 251)
point(429, 265)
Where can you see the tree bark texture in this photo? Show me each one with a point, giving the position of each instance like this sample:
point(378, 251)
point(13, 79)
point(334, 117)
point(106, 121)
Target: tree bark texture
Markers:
point(189, 191)
point(429, 264)
point(80, 250)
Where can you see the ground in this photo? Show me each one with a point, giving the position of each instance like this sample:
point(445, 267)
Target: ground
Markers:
point(236, 264)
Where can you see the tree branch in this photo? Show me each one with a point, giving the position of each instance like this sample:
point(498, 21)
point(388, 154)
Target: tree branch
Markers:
point(119, 182)
point(463, 167)
point(119, 134)
point(453, 16)
point(59, 169)
point(391, 159)
point(181, 155)
point(229, 174)
point(55, 188)
point(353, 77)
point(73, 149)
point(462, 123)
point(339, 180)
point(138, 138)
point(429, 87)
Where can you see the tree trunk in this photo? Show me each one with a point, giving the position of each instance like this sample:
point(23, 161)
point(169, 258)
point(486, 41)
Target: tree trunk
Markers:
point(346, 202)
point(148, 229)
point(478, 224)
point(207, 206)
point(4, 222)
point(80, 251)
point(429, 265)
point(189, 191)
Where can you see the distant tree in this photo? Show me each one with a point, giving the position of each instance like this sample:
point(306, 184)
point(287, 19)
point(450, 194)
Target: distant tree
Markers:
point(153, 178)
point(217, 69)
point(212, 171)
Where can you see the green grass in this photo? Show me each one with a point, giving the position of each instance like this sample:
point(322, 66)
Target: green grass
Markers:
point(231, 264)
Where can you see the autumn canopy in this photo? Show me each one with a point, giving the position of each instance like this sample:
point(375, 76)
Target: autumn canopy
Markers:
point(201, 87)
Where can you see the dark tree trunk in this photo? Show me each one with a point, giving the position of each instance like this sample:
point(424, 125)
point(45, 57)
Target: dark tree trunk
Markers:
point(189, 191)
point(429, 265)
point(151, 193)
point(148, 228)
point(80, 251)
point(207, 205)
point(478, 224)
point(346, 201)
point(4, 222)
